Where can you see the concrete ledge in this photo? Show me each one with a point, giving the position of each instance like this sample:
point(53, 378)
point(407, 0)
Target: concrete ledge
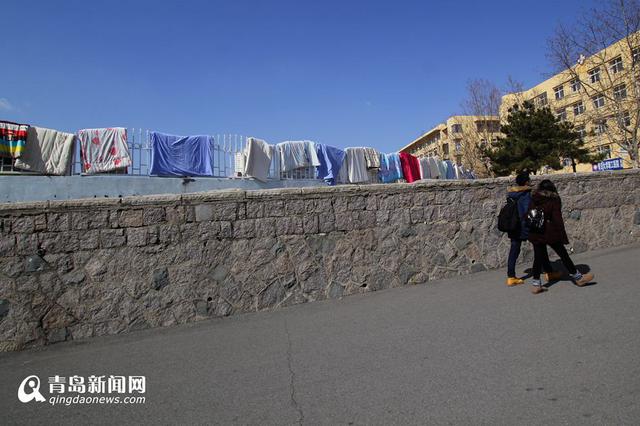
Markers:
point(21, 188)
point(321, 191)
point(227, 194)
point(168, 199)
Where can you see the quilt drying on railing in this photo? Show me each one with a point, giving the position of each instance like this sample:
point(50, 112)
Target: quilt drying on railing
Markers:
point(104, 150)
point(180, 155)
point(410, 167)
point(331, 159)
point(390, 168)
point(297, 154)
point(357, 165)
point(258, 159)
point(13, 137)
point(47, 151)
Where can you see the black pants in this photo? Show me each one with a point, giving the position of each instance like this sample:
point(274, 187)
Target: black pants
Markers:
point(541, 258)
point(514, 253)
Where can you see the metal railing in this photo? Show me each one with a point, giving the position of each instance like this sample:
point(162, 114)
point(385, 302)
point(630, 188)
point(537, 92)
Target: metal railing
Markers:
point(224, 149)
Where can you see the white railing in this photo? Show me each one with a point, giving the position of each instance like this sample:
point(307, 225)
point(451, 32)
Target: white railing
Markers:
point(224, 148)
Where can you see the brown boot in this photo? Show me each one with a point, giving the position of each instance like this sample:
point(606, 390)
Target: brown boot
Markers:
point(537, 289)
point(586, 279)
point(553, 276)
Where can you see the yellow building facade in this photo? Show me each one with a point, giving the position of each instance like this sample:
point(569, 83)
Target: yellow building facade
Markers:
point(599, 95)
point(460, 139)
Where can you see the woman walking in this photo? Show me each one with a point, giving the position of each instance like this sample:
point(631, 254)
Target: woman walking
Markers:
point(547, 200)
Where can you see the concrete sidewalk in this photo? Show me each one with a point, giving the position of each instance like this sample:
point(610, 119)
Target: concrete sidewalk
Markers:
point(459, 351)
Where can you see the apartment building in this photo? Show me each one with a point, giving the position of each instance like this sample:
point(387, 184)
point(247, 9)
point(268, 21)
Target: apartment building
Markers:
point(599, 95)
point(459, 139)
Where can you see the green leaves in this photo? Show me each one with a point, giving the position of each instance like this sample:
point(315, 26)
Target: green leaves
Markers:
point(535, 138)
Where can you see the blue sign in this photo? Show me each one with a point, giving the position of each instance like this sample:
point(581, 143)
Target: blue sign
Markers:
point(610, 164)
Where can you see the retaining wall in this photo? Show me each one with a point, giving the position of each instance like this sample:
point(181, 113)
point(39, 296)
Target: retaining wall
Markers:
point(82, 268)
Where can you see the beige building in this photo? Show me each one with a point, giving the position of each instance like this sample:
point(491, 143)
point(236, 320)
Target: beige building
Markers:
point(460, 139)
point(599, 95)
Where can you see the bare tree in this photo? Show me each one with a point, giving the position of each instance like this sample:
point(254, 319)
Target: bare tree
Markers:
point(482, 102)
point(483, 98)
point(607, 77)
point(516, 89)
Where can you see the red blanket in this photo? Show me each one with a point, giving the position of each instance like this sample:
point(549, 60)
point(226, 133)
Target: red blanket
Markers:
point(410, 167)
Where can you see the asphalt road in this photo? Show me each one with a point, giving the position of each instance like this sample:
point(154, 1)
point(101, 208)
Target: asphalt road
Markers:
point(460, 351)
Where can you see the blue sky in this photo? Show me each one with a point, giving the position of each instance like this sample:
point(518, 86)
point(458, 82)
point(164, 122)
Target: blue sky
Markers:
point(346, 73)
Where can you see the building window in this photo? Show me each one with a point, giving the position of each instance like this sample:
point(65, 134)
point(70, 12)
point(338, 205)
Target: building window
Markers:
point(445, 148)
point(600, 127)
point(625, 119)
point(488, 126)
point(594, 75)
point(598, 101)
point(620, 91)
point(615, 65)
point(604, 149)
point(578, 108)
point(635, 54)
point(582, 131)
point(541, 100)
point(561, 114)
point(559, 92)
point(575, 85)
point(456, 128)
point(458, 147)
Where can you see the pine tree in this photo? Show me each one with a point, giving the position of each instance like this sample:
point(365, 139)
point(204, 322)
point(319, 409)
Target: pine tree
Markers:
point(535, 138)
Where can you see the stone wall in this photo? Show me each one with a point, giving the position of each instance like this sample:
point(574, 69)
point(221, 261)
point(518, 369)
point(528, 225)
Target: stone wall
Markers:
point(82, 268)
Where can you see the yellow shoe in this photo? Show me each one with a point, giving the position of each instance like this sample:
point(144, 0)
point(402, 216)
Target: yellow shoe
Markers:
point(514, 281)
point(552, 276)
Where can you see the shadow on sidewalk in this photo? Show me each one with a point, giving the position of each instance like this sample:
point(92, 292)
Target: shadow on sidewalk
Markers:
point(558, 266)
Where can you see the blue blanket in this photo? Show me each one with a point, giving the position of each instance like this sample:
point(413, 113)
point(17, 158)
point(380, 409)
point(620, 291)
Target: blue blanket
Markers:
point(180, 155)
point(330, 159)
point(451, 171)
point(390, 169)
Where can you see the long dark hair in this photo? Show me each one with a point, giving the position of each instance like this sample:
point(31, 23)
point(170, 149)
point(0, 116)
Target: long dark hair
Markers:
point(547, 185)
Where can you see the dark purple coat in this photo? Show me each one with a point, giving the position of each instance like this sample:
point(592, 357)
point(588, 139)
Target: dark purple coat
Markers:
point(554, 231)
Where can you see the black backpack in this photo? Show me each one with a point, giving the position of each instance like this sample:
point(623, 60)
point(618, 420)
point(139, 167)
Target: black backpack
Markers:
point(535, 220)
point(509, 218)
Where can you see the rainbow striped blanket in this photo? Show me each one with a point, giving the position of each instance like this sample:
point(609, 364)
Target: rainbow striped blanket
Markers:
point(13, 137)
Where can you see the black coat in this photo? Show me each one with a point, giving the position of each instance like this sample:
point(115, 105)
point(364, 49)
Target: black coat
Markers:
point(554, 231)
point(522, 196)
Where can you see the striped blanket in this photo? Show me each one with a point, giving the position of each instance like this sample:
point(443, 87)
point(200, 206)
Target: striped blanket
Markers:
point(13, 137)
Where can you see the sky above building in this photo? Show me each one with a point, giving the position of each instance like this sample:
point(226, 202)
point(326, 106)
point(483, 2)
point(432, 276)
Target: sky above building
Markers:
point(345, 73)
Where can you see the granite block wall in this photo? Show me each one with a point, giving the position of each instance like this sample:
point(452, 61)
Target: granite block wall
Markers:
point(81, 268)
